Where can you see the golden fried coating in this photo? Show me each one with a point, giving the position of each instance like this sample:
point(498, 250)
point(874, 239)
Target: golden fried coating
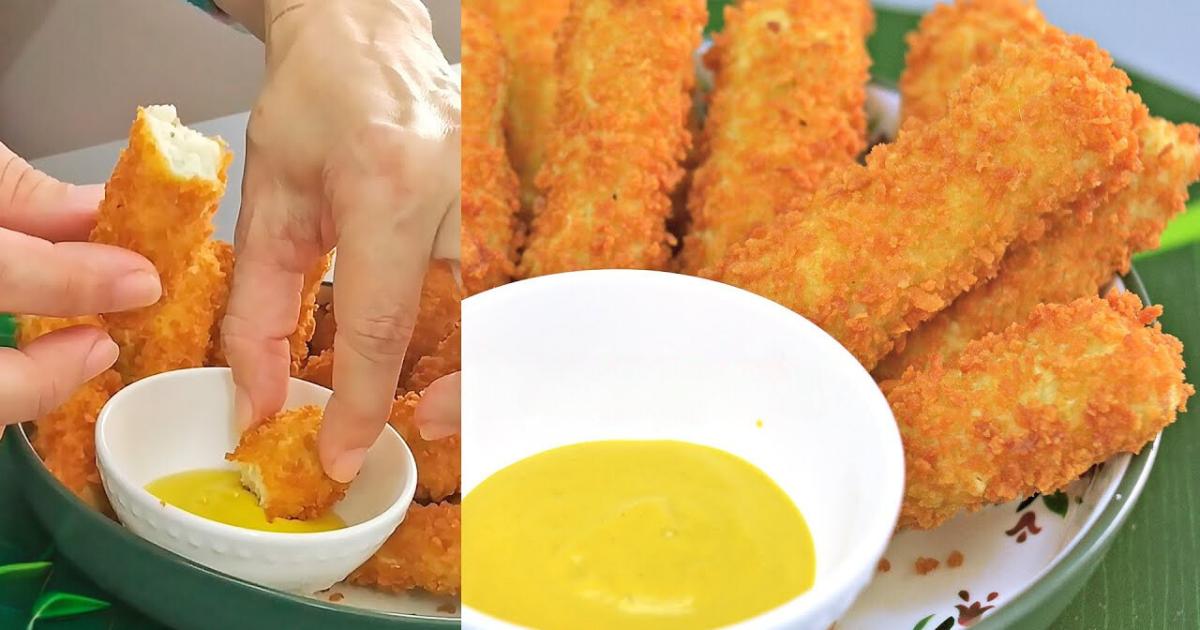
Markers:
point(424, 552)
point(279, 463)
point(440, 310)
point(624, 77)
point(179, 333)
point(786, 109)
point(954, 37)
point(446, 360)
point(489, 185)
point(1030, 409)
point(319, 369)
point(527, 30)
point(325, 329)
point(159, 202)
point(1073, 260)
point(307, 323)
point(1040, 132)
point(220, 300)
point(439, 462)
point(66, 439)
point(30, 327)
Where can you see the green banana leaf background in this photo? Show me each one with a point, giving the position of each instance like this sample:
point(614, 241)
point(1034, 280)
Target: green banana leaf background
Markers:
point(1148, 580)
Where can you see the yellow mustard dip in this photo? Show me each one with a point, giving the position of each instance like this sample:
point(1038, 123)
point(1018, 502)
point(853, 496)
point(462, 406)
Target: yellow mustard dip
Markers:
point(632, 535)
point(218, 495)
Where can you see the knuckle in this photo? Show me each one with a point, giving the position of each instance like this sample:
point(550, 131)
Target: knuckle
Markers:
point(379, 338)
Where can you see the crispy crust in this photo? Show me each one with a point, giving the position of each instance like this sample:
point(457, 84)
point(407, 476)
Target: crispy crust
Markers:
point(440, 311)
point(1073, 260)
point(786, 109)
point(279, 463)
point(151, 210)
point(220, 300)
point(489, 185)
point(30, 327)
point(424, 552)
point(1030, 409)
point(619, 138)
point(318, 369)
point(439, 462)
point(527, 30)
point(65, 439)
point(446, 360)
point(951, 39)
point(306, 324)
point(1039, 132)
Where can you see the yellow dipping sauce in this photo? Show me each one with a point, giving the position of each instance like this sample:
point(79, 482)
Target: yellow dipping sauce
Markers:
point(218, 495)
point(631, 535)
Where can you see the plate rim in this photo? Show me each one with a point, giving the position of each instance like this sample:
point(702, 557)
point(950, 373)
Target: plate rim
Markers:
point(28, 458)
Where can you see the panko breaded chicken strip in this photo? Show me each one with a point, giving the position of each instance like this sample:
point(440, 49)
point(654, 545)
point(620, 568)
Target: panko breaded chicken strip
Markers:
point(439, 462)
point(951, 39)
point(786, 109)
point(440, 311)
point(307, 323)
point(1043, 131)
point(527, 30)
point(446, 360)
point(66, 437)
point(1032, 408)
point(424, 552)
point(220, 300)
point(489, 185)
point(1073, 260)
point(279, 464)
point(159, 203)
point(624, 95)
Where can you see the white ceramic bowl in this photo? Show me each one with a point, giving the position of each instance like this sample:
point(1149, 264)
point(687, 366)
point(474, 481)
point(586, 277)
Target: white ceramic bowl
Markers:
point(619, 354)
point(182, 420)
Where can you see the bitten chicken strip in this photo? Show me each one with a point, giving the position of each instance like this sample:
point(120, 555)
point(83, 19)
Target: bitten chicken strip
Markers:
point(790, 81)
point(1042, 131)
point(624, 93)
point(489, 185)
point(159, 203)
point(528, 32)
point(1032, 408)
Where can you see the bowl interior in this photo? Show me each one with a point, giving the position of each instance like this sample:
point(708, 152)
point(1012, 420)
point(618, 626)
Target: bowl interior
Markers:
point(646, 355)
point(183, 420)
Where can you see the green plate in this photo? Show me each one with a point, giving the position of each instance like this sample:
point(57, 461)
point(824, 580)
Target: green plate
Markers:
point(163, 585)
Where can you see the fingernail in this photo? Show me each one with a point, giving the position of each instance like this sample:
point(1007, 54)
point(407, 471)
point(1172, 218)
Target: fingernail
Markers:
point(346, 466)
point(137, 289)
point(84, 197)
point(101, 357)
point(243, 409)
point(437, 431)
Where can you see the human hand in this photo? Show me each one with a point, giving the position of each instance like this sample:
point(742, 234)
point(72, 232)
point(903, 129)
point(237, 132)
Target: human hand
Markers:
point(46, 269)
point(353, 143)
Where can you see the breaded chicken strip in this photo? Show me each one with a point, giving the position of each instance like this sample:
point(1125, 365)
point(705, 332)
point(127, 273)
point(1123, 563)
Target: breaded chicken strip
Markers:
point(624, 76)
point(951, 39)
point(319, 369)
point(440, 311)
point(307, 323)
point(786, 109)
point(324, 330)
point(1030, 409)
point(881, 248)
point(527, 30)
point(66, 437)
point(279, 464)
point(159, 203)
point(1073, 260)
point(489, 185)
point(220, 300)
point(424, 552)
point(439, 462)
point(446, 360)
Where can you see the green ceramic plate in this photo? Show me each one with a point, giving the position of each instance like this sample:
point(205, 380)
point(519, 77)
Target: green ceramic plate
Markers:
point(168, 587)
